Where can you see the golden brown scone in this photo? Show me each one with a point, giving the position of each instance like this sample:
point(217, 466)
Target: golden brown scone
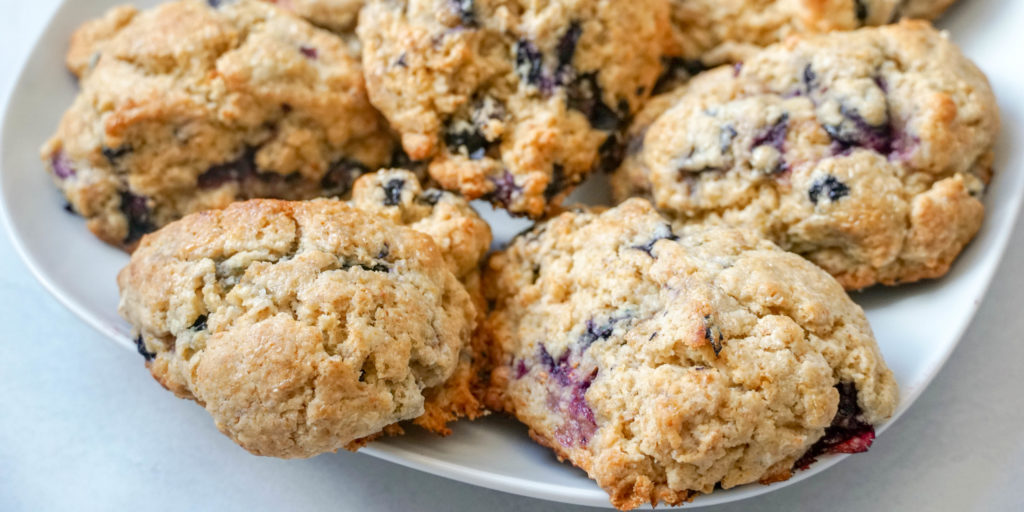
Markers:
point(189, 108)
point(512, 101)
point(304, 327)
point(664, 364)
point(866, 152)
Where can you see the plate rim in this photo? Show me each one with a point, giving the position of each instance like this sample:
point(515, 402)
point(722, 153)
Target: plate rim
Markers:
point(595, 497)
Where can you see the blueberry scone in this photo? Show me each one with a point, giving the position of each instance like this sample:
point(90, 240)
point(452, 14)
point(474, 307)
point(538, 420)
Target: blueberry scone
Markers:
point(185, 107)
point(512, 101)
point(665, 364)
point(866, 152)
point(711, 32)
point(304, 327)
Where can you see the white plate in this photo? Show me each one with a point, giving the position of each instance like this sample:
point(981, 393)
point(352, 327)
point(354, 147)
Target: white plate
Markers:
point(917, 326)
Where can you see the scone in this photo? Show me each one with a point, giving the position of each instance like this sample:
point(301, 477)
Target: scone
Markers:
point(304, 327)
point(711, 32)
point(187, 108)
point(512, 101)
point(665, 364)
point(866, 152)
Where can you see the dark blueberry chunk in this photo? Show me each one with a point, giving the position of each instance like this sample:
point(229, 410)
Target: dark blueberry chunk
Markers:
point(213, 3)
point(68, 207)
point(854, 131)
point(713, 335)
point(362, 375)
point(464, 9)
point(430, 196)
point(596, 331)
point(393, 192)
point(236, 170)
point(810, 78)
point(113, 154)
point(61, 165)
point(676, 71)
point(308, 51)
point(468, 137)
point(505, 189)
point(829, 187)
point(861, 10)
point(663, 232)
point(341, 175)
point(775, 135)
point(565, 51)
point(137, 212)
point(383, 252)
point(400, 61)
point(848, 433)
point(199, 324)
point(141, 347)
point(584, 95)
point(528, 62)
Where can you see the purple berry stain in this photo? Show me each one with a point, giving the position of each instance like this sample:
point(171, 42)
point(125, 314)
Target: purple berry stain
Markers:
point(61, 165)
point(848, 433)
point(308, 52)
point(505, 189)
point(567, 388)
point(855, 132)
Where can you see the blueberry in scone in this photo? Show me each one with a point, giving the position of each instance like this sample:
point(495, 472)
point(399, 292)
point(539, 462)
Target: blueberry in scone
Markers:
point(712, 32)
point(665, 363)
point(515, 102)
point(186, 107)
point(867, 152)
point(304, 327)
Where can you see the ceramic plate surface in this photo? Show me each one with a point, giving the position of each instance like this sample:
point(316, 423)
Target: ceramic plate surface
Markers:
point(917, 326)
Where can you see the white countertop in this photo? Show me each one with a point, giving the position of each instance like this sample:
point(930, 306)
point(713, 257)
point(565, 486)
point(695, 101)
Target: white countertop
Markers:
point(83, 426)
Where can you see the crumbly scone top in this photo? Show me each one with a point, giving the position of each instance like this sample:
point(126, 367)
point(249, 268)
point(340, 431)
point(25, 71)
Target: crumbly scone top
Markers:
point(300, 326)
point(186, 107)
point(513, 101)
point(665, 363)
point(866, 152)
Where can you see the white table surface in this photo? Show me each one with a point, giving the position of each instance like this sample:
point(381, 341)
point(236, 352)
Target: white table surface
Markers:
point(84, 427)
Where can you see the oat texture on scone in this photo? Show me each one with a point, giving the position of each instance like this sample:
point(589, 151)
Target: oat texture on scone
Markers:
point(185, 107)
point(711, 32)
point(304, 327)
point(867, 152)
point(512, 101)
point(667, 363)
